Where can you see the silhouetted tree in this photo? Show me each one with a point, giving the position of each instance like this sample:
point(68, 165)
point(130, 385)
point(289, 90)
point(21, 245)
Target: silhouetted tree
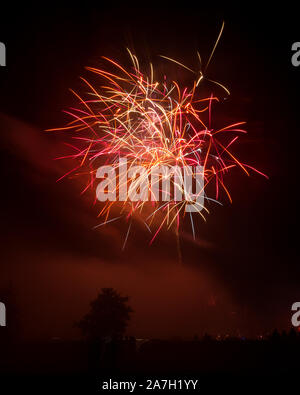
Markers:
point(275, 336)
point(293, 336)
point(108, 316)
point(206, 338)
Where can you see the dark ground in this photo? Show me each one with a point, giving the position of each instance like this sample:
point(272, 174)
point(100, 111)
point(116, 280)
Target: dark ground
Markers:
point(233, 364)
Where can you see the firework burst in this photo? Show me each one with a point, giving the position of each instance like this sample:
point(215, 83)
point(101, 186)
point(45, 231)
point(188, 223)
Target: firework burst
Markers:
point(150, 123)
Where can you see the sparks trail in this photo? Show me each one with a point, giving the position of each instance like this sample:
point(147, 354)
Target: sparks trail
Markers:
point(150, 123)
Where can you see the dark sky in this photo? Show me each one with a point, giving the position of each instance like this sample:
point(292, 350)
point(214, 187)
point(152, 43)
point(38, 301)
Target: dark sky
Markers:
point(243, 270)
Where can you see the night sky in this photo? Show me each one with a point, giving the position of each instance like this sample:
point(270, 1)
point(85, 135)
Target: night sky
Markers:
point(242, 273)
